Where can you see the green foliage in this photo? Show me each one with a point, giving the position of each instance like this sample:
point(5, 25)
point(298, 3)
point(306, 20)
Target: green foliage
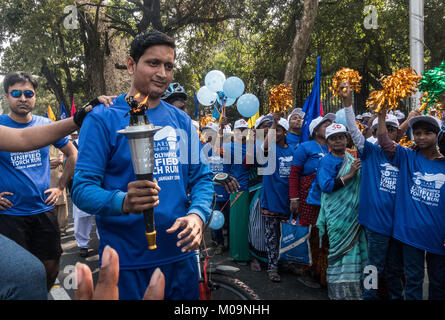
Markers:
point(250, 39)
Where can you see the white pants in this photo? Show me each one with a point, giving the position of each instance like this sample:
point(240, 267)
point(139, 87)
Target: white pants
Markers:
point(83, 222)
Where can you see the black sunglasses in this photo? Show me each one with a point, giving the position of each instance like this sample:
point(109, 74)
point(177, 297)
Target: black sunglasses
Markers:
point(18, 93)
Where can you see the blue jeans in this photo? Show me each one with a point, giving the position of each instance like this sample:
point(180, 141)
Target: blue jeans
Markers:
point(22, 275)
point(403, 257)
point(378, 246)
point(436, 276)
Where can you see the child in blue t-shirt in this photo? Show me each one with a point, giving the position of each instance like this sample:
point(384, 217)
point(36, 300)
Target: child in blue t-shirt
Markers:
point(275, 195)
point(419, 220)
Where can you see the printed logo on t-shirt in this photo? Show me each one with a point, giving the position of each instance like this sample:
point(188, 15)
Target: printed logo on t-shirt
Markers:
point(285, 165)
point(388, 178)
point(166, 158)
point(24, 160)
point(427, 187)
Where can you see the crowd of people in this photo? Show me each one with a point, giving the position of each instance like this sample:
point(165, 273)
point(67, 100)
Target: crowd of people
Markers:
point(364, 199)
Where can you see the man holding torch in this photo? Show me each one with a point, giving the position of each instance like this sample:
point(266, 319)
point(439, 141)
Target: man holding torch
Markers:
point(105, 183)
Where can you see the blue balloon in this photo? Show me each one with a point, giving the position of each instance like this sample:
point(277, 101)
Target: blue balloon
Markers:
point(233, 87)
point(248, 105)
point(217, 220)
point(341, 117)
point(224, 100)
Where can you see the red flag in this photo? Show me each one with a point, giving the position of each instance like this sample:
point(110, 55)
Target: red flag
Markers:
point(73, 108)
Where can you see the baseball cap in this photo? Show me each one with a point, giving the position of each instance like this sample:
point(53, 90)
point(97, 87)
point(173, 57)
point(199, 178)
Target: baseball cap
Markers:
point(400, 115)
point(366, 114)
point(298, 111)
point(284, 123)
point(359, 117)
point(335, 128)
point(318, 121)
point(241, 123)
point(211, 125)
point(262, 119)
point(429, 119)
point(389, 120)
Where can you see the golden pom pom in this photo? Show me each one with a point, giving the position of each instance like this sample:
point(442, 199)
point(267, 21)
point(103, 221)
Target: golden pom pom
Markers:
point(345, 75)
point(396, 87)
point(404, 142)
point(280, 98)
point(205, 120)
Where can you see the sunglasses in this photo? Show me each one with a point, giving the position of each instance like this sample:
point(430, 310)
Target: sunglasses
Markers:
point(18, 93)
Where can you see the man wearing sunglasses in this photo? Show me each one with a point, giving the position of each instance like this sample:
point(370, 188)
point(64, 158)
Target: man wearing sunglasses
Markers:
point(27, 213)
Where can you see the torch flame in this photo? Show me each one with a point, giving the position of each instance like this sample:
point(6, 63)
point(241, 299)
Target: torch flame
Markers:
point(143, 101)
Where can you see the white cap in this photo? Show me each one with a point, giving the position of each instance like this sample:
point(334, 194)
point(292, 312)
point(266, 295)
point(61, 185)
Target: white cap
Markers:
point(298, 111)
point(389, 120)
point(400, 115)
point(211, 125)
point(227, 130)
point(262, 119)
point(258, 121)
point(366, 114)
point(284, 123)
point(195, 124)
point(318, 121)
point(241, 123)
point(430, 119)
point(359, 117)
point(335, 128)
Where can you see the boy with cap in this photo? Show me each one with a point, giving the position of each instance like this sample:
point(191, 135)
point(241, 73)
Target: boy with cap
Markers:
point(377, 194)
point(419, 222)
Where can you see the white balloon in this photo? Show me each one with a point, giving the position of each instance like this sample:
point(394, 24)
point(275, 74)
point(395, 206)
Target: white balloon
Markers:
point(214, 80)
point(206, 97)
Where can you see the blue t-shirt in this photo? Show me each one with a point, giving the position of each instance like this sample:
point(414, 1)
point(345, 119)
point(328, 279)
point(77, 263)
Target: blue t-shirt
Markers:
point(419, 211)
point(216, 163)
point(293, 140)
point(237, 169)
point(275, 195)
point(378, 190)
point(308, 155)
point(26, 174)
point(105, 153)
point(330, 166)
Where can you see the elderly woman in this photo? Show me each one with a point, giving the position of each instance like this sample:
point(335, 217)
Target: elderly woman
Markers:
point(305, 163)
point(339, 181)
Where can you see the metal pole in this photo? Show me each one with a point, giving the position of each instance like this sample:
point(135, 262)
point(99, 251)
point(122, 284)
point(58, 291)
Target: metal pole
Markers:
point(416, 39)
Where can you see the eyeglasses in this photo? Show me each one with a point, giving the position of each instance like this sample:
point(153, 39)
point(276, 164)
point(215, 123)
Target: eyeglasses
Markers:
point(18, 93)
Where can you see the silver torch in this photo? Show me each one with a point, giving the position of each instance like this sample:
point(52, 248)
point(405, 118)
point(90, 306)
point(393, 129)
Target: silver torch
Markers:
point(140, 134)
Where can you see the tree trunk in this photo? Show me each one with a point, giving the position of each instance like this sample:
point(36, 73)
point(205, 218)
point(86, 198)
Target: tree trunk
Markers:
point(92, 37)
point(301, 42)
point(53, 82)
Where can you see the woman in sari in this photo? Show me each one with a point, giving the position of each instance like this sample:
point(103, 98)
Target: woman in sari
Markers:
point(305, 163)
point(339, 181)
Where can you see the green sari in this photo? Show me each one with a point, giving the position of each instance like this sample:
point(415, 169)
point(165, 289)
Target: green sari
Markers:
point(347, 242)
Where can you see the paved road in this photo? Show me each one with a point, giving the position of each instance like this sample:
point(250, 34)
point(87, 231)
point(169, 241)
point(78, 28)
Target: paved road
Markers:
point(288, 289)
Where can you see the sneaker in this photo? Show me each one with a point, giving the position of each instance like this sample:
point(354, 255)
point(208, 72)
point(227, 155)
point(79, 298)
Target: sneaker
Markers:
point(219, 250)
point(83, 252)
